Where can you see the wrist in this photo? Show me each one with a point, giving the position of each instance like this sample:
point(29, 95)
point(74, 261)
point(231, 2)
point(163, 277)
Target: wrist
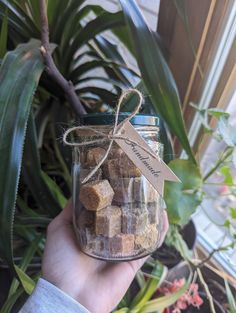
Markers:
point(64, 286)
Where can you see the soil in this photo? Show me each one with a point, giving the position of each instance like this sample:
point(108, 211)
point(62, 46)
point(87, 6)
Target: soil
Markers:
point(168, 255)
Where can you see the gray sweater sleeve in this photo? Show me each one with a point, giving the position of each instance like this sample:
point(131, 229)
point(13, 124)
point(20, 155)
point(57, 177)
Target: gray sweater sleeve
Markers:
point(46, 298)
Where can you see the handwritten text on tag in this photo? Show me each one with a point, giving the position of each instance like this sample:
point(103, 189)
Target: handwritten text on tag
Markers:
point(153, 168)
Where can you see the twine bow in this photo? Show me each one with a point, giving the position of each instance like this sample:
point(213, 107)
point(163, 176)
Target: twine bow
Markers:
point(113, 135)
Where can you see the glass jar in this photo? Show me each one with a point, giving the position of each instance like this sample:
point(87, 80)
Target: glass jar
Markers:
point(117, 213)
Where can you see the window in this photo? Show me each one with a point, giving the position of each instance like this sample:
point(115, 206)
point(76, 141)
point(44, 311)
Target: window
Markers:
point(201, 46)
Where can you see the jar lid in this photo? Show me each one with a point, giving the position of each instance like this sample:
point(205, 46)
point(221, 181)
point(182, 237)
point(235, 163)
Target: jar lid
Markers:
point(109, 119)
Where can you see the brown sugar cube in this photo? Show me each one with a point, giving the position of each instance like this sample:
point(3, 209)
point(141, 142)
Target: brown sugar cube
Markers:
point(96, 195)
point(148, 239)
point(84, 173)
point(85, 236)
point(130, 190)
point(91, 243)
point(108, 221)
point(86, 219)
point(97, 245)
point(144, 191)
point(134, 220)
point(111, 169)
point(116, 153)
point(94, 156)
point(121, 244)
point(127, 168)
point(123, 190)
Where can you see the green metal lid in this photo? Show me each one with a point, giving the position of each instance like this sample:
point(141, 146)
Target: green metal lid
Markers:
point(109, 119)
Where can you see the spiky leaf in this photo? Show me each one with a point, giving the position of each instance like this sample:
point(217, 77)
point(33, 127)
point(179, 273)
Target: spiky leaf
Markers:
point(19, 76)
point(155, 73)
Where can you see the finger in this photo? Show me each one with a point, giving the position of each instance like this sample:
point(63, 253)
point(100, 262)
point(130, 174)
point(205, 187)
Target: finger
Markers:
point(122, 273)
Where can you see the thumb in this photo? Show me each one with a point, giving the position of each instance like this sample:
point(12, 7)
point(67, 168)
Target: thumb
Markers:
point(66, 215)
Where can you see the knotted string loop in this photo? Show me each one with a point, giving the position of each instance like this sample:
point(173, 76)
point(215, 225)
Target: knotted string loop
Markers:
point(113, 135)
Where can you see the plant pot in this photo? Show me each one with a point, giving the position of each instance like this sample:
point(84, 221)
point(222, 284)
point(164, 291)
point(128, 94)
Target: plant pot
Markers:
point(168, 255)
point(205, 307)
point(214, 282)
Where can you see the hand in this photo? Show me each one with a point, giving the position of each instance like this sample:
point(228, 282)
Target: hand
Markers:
point(97, 285)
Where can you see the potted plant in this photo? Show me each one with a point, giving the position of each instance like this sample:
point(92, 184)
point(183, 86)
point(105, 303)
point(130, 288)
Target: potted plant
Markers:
point(210, 291)
point(52, 86)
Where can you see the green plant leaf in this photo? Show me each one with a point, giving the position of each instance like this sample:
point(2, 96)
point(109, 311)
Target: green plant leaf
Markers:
point(60, 117)
point(140, 279)
point(34, 179)
point(27, 283)
point(234, 157)
point(92, 79)
point(183, 198)
point(166, 140)
point(148, 108)
point(19, 20)
point(92, 65)
point(55, 189)
point(158, 305)
point(227, 173)
point(123, 310)
point(105, 95)
point(175, 239)
point(155, 73)
point(63, 16)
point(227, 132)
point(203, 117)
point(111, 52)
point(230, 297)
point(145, 294)
point(34, 11)
point(101, 23)
point(9, 303)
point(227, 223)
point(28, 256)
point(123, 36)
point(19, 76)
point(54, 8)
point(71, 30)
point(3, 35)
point(32, 221)
point(217, 113)
point(131, 101)
point(233, 213)
point(24, 207)
point(29, 235)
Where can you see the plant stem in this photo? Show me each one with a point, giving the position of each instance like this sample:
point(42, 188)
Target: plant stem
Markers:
point(216, 250)
point(66, 173)
point(221, 184)
point(52, 70)
point(209, 296)
point(227, 152)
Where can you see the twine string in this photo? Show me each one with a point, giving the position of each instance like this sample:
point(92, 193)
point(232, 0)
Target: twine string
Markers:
point(113, 135)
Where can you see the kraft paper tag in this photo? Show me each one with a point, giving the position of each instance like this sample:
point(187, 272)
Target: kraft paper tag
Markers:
point(154, 169)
